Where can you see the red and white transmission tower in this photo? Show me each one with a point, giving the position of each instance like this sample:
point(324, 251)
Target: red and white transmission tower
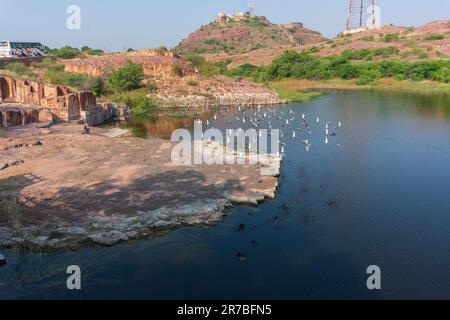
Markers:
point(251, 7)
point(361, 14)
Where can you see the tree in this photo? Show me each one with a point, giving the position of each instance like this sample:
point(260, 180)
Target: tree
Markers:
point(127, 78)
point(99, 86)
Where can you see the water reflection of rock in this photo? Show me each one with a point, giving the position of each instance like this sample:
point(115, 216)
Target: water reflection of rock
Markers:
point(163, 126)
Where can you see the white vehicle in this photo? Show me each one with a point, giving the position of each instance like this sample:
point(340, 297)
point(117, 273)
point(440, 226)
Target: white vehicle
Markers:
point(9, 49)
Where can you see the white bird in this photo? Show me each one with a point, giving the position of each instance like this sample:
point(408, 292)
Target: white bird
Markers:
point(303, 116)
point(340, 124)
point(326, 140)
point(293, 134)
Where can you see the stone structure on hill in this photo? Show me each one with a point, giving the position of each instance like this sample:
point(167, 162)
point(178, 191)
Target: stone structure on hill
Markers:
point(235, 34)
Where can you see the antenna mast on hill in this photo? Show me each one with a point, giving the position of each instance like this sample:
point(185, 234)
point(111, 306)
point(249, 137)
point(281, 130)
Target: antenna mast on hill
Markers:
point(361, 14)
point(251, 7)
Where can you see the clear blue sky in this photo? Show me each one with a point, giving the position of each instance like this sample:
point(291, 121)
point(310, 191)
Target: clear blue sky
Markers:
point(115, 24)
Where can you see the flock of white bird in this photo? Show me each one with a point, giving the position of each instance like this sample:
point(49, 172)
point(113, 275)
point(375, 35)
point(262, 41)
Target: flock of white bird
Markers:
point(269, 118)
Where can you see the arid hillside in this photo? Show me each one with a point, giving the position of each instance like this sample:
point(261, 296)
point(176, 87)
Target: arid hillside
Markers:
point(175, 81)
point(392, 42)
point(243, 34)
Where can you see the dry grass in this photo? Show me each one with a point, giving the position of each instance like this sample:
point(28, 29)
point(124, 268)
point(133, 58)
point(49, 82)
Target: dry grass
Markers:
point(384, 84)
point(11, 212)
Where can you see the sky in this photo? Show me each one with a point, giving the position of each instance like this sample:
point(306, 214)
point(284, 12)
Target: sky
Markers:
point(115, 25)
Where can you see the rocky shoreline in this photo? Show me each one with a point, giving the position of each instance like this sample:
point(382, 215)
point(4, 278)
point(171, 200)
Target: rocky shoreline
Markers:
point(225, 100)
point(103, 190)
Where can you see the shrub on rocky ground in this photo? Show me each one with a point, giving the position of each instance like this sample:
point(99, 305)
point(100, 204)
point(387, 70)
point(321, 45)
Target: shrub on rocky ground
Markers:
point(127, 78)
point(11, 212)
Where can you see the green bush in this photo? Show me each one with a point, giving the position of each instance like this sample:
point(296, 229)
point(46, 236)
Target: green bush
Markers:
point(137, 100)
point(435, 37)
point(390, 37)
point(99, 86)
point(442, 75)
point(152, 87)
point(206, 68)
point(368, 38)
point(55, 77)
point(421, 54)
point(244, 70)
point(303, 65)
point(192, 83)
point(127, 78)
point(19, 69)
point(368, 76)
point(92, 52)
point(74, 79)
point(63, 53)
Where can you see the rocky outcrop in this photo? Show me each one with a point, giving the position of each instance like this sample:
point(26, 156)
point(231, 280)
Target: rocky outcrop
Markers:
point(60, 101)
point(213, 92)
point(226, 100)
point(76, 188)
point(153, 64)
point(149, 52)
point(11, 115)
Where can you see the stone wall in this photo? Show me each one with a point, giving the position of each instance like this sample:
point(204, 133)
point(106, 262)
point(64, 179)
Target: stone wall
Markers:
point(21, 115)
point(64, 104)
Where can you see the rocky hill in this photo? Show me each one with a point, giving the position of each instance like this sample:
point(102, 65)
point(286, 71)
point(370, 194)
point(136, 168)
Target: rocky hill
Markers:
point(243, 33)
point(431, 40)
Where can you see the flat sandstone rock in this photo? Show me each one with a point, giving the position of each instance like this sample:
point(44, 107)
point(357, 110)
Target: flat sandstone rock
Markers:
point(75, 188)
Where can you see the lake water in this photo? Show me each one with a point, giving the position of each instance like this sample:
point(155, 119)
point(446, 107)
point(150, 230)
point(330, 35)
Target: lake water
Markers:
point(380, 198)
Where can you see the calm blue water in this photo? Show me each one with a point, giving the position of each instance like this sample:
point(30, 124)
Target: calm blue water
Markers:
point(381, 198)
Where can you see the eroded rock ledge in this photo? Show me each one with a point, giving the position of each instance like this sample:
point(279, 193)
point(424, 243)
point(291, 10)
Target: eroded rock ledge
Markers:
point(79, 189)
point(60, 101)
